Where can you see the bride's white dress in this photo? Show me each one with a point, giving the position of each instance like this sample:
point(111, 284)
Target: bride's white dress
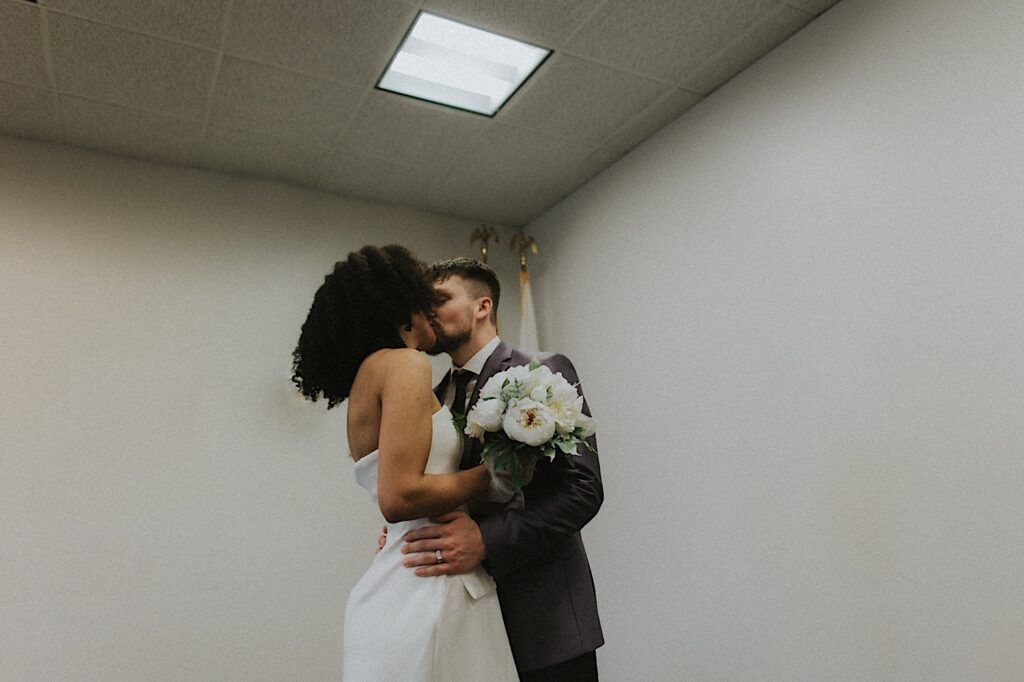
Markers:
point(399, 626)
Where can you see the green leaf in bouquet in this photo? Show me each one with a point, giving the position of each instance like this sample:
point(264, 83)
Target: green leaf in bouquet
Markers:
point(493, 447)
point(534, 364)
point(550, 453)
point(567, 446)
point(577, 433)
point(459, 421)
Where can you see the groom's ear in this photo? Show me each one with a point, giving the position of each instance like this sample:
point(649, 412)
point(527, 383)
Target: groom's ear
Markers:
point(484, 307)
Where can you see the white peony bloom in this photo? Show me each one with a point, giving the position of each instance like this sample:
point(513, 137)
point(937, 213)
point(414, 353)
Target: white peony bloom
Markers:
point(519, 385)
point(567, 406)
point(520, 372)
point(492, 389)
point(589, 427)
point(539, 394)
point(542, 375)
point(525, 380)
point(529, 422)
point(473, 429)
point(486, 415)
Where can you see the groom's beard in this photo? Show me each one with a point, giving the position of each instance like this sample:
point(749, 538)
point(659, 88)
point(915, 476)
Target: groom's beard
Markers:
point(446, 343)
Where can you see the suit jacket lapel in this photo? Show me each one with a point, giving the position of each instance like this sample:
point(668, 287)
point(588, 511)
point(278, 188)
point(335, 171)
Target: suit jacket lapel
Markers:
point(496, 362)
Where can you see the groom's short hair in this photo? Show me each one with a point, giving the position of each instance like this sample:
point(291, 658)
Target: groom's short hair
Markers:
point(481, 277)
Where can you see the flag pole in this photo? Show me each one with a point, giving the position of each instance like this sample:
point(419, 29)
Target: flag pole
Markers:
point(527, 315)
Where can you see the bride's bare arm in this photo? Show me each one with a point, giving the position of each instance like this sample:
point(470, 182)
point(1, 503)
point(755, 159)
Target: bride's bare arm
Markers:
point(403, 490)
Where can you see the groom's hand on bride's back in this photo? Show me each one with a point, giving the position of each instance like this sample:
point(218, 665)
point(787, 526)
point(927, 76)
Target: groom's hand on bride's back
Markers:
point(456, 535)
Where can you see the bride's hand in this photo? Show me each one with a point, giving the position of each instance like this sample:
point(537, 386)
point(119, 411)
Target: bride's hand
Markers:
point(382, 540)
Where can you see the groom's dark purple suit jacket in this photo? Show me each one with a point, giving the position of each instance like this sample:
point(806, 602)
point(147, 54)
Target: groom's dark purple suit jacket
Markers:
point(536, 554)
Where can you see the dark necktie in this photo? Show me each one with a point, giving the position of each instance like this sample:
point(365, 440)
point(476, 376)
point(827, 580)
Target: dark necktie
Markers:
point(462, 377)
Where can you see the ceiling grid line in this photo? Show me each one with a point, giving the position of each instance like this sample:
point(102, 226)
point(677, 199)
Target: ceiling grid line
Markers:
point(122, 27)
point(339, 139)
point(597, 9)
point(51, 71)
point(218, 60)
point(751, 30)
point(206, 48)
point(619, 68)
point(223, 51)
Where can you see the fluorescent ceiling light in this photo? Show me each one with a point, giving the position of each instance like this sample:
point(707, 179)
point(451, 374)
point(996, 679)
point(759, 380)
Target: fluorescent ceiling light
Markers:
point(459, 66)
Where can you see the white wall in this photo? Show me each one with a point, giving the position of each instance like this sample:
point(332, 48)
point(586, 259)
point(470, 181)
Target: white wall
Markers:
point(798, 313)
point(169, 508)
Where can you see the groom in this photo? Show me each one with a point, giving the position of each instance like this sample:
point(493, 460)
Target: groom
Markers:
point(535, 554)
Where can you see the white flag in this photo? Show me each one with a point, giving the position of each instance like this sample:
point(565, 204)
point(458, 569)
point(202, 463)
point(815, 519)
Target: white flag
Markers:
point(527, 316)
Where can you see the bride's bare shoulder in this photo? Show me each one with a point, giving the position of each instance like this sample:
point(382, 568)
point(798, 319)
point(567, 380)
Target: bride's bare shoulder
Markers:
point(402, 360)
point(397, 371)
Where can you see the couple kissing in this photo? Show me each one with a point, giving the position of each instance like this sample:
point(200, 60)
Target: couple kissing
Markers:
point(455, 592)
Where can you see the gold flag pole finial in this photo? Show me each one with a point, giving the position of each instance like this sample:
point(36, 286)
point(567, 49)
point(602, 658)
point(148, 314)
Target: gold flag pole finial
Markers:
point(484, 234)
point(524, 243)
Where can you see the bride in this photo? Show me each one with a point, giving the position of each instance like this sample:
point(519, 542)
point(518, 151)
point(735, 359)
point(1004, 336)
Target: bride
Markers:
point(361, 341)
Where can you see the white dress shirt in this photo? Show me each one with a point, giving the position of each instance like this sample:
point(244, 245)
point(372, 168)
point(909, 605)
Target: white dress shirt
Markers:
point(475, 365)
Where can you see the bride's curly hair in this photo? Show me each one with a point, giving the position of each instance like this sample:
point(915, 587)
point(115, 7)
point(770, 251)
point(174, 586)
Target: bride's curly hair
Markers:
point(356, 311)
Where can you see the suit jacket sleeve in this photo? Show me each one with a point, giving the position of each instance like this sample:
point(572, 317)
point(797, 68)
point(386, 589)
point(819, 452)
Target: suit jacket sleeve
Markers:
point(560, 500)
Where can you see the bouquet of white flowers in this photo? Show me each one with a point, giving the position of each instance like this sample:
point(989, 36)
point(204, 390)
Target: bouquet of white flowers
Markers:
point(525, 413)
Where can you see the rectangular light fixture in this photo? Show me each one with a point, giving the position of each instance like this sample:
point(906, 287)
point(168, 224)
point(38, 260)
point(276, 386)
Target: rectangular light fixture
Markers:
point(459, 66)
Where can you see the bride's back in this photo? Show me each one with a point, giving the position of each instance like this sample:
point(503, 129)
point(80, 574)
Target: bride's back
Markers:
point(364, 406)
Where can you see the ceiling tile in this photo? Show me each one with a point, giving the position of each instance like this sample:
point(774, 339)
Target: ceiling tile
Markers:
point(746, 49)
point(110, 64)
point(190, 21)
point(267, 100)
point(293, 97)
point(346, 40)
point(605, 157)
point(509, 206)
point(411, 132)
point(523, 166)
point(546, 23)
point(503, 153)
point(373, 178)
point(571, 97)
point(115, 129)
point(649, 121)
point(29, 112)
point(21, 45)
point(665, 39)
point(246, 153)
point(815, 7)
point(520, 202)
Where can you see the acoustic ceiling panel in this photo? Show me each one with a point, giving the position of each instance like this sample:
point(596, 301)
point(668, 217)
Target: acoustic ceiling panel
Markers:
point(285, 90)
